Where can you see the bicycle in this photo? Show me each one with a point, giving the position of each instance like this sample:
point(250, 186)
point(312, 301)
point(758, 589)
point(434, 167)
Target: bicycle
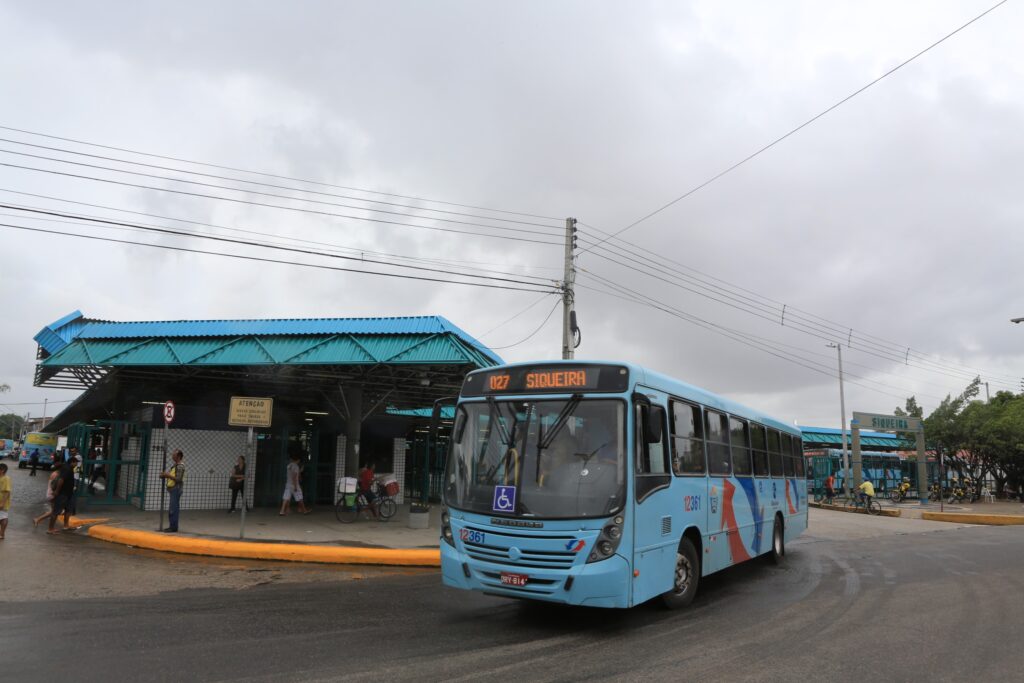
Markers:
point(349, 506)
point(872, 508)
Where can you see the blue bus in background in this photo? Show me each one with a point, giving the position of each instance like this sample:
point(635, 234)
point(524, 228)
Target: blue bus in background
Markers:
point(43, 445)
point(606, 484)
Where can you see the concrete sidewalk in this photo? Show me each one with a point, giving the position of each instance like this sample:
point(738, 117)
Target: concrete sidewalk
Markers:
point(316, 537)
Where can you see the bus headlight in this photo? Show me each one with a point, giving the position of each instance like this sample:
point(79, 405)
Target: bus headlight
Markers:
point(446, 528)
point(608, 541)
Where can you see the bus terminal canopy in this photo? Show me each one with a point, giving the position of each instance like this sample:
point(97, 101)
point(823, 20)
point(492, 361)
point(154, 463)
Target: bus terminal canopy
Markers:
point(400, 363)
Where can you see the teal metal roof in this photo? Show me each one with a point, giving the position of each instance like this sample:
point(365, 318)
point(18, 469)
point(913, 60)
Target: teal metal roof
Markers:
point(829, 435)
point(76, 341)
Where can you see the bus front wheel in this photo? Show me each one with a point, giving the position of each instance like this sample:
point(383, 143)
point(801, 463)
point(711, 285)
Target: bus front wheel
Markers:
point(687, 576)
point(778, 553)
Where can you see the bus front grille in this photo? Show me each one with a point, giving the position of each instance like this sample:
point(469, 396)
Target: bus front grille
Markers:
point(534, 559)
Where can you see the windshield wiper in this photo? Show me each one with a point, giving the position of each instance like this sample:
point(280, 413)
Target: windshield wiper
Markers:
point(494, 413)
point(544, 439)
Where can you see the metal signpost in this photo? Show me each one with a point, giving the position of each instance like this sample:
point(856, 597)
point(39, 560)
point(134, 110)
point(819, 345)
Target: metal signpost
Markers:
point(168, 419)
point(249, 411)
point(891, 423)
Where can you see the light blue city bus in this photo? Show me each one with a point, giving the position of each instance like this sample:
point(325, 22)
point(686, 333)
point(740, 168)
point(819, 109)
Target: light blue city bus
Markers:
point(607, 485)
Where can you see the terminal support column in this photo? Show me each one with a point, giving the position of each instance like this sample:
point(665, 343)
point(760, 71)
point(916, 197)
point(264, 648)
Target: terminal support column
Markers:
point(353, 428)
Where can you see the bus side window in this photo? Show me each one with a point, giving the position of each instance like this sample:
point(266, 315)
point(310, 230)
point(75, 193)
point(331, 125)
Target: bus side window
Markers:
point(788, 464)
point(687, 439)
point(759, 449)
point(652, 458)
point(774, 453)
point(717, 434)
point(798, 454)
point(740, 441)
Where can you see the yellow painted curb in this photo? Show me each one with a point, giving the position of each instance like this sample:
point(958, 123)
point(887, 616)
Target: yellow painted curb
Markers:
point(842, 508)
point(86, 521)
point(973, 518)
point(288, 552)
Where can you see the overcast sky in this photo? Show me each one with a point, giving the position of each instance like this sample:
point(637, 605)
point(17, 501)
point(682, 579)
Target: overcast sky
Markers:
point(897, 215)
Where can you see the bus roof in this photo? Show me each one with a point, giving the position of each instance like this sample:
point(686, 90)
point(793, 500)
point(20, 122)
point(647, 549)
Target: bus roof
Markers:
point(662, 382)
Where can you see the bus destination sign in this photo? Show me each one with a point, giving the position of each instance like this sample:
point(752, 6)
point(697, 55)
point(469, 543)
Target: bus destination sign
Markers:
point(557, 379)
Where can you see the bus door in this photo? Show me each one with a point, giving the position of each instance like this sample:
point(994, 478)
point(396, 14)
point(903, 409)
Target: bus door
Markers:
point(655, 519)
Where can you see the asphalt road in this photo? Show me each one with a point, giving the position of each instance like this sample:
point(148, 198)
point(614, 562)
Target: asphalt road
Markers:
point(906, 600)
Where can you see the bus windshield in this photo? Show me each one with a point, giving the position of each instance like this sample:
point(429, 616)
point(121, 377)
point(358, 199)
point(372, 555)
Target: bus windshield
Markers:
point(565, 458)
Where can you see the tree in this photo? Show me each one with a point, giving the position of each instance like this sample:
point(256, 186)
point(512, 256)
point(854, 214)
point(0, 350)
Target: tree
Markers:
point(11, 425)
point(910, 410)
point(979, 438)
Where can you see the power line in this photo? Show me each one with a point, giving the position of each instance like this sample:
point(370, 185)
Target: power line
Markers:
point(456, 262)
point(747, 340)
point(256, 182)
point(279, 196)
point(800, 327)
point(801, 126)
point(272, 175)
point(275, 206)
point(229, 240)
point(773, 310)
point(268, 260)
point(529, 336)
point(508, 320)
point(332, 251)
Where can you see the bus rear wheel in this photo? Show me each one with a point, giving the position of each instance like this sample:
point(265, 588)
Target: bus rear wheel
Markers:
point(686, 578)
point(778, 554)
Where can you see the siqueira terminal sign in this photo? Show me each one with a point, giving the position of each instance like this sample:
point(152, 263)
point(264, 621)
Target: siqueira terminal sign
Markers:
point(885, 423)
point(250, 411)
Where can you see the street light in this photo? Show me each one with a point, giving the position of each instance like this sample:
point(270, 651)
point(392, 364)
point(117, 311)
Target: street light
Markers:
point(1017, 320)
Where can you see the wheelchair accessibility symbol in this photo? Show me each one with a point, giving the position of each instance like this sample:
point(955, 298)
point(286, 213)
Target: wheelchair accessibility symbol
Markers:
point(504, 499)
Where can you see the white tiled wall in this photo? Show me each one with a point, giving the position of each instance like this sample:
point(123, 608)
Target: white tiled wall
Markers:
point(400, 448)
point(209, 461)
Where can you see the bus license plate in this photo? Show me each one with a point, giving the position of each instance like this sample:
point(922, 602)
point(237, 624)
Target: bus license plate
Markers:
point(514, 579)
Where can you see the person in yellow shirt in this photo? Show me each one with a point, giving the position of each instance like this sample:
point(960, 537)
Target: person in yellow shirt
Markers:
point(867, 492)
point(5, 499)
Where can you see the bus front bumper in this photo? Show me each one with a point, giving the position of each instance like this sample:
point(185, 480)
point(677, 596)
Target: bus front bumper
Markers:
point(597, 584)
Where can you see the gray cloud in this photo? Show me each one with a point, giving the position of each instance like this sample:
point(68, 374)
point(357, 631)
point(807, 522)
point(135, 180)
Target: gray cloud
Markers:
point(896, 215)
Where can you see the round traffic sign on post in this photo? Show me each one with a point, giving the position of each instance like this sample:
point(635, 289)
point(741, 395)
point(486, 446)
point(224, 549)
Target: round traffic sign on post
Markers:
point(169, 412)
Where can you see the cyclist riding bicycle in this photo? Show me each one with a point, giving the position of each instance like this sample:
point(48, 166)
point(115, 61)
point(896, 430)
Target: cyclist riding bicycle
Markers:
point(866, 492)
point(366, 482)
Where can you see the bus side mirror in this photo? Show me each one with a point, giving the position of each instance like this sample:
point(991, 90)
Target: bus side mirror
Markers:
point(654, 420)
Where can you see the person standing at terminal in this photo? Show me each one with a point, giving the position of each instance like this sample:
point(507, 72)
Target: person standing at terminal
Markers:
point(237, 483)
point(99, 469)
point(33, 462)
point(175, 479)
point(293, 487)
point(5, 499)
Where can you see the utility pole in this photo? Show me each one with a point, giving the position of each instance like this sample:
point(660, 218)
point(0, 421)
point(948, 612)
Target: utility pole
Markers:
point(842, 421)
point(569, 328)
point(988, 399)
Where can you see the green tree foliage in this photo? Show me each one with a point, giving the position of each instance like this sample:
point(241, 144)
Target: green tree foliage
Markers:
point(911, 409)
point(10, 425)
point(978, 439)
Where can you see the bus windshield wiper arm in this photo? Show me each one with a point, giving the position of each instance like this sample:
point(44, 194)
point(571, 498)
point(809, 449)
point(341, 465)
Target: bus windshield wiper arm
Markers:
point(499, 419)
point(567, 410)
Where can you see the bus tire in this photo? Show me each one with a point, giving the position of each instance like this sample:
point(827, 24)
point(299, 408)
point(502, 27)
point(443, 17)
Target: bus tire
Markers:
point(686, 577)
point(778, 552)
